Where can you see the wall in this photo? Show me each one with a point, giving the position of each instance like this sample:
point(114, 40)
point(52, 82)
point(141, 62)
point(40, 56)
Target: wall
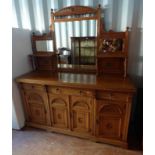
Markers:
point(21, 48)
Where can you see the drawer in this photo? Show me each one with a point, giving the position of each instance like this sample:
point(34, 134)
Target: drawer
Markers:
point(113, 96)
point(69, 91)
point(33, 87)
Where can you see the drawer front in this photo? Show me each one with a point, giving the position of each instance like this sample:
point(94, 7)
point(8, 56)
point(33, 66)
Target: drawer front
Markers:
point(33, 87)
point(113, 96)
point(69, 91)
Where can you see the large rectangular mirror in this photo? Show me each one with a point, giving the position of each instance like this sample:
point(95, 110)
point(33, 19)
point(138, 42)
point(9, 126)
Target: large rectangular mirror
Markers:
point(76, 42)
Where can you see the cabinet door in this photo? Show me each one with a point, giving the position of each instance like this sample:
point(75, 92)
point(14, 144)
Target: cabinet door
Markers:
point(59, 110)
point(37, 107)
point(81, 114)
point(110, 119)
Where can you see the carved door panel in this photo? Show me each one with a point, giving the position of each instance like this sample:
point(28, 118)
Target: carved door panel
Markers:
point(59, 110)
point(81, 114)
point(110, 119)
point(37, 107)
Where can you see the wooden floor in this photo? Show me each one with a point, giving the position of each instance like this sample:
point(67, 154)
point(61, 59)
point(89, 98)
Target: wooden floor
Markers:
point(32, 141)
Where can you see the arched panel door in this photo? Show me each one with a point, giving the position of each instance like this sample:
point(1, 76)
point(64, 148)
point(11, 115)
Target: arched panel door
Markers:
point(110, 120)
point(59, 110)
point(81, 114)
point(37, 107)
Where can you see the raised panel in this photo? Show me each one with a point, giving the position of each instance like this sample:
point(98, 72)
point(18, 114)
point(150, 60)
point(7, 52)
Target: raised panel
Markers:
point(81, 112)
point(59, 117)
point(59, 110)
point(37, 113)
point(110, 119)
point(37, 106)
point(81, 121)
point(109, 126)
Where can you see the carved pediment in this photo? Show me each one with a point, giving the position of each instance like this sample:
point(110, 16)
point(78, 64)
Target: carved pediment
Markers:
point(81, 104)
point(75, 10)
point(111, 109)
point(58, 101)
point(34, 97)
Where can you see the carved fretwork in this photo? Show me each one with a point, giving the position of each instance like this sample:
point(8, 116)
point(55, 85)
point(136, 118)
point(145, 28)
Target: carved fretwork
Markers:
point(75, 10)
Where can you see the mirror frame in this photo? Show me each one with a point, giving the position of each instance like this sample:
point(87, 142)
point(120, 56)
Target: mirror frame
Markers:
point(77, 11)
point(43, 37)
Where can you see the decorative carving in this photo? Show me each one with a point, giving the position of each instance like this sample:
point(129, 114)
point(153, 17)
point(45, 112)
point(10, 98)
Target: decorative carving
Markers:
point(112, 109)
point(75, 10)
point(34, 97)
point(58, 101)
point(59, 111)
point(81, 104)
point(81, 121)
point(37, 113)
point(59, 117)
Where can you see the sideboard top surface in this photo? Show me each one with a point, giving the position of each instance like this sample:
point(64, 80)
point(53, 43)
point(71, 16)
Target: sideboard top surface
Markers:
point(76, 80)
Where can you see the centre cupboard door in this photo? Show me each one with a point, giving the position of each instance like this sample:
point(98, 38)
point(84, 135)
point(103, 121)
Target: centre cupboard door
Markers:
point(59, 110)
point(82, 114)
